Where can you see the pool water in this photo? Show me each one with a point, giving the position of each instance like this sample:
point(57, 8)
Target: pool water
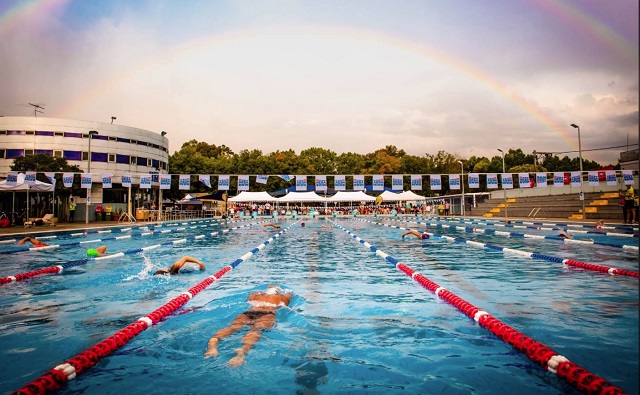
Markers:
point(355, 325)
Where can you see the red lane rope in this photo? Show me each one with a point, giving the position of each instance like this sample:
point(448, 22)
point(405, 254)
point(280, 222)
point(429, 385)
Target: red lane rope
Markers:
point(57, 377)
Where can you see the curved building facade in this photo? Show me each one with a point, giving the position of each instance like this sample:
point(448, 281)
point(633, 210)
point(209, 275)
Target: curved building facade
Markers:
point(115, 149)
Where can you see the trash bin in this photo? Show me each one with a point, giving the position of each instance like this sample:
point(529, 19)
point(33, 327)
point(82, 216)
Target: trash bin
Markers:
point(108, 216)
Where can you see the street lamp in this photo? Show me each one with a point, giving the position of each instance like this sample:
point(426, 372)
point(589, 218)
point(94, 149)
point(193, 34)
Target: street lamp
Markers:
point(86, 206)
point(504, 190)
point(462, 182)
point(584, 214)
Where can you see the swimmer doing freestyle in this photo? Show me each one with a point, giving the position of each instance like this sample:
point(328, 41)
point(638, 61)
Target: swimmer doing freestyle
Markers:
point(260, 317)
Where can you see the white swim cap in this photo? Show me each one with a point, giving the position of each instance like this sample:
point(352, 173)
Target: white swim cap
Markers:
point(273, 290)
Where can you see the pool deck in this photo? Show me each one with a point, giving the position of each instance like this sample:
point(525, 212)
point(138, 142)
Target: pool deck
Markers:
point(65, 226)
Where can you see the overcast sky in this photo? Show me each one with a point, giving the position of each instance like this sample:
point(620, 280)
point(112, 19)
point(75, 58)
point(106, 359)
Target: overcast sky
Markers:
point(465, 77)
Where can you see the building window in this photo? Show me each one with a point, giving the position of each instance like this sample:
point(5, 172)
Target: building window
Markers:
point(142, 143)
point(1, 154)
point(85, 155)
point(58, 134)
point(2, 132)
point(149, 162)
point(72, 155)
point(141, 161)
point(112, 138)
point(112, 158)
point(15, 132)
point(74, 135)
point(133, 141)
point(57, 154)
point(155, 163)
point(123, 159)
point(134, 160)
point(99, 157)
point(44, 152)
point(14, 153)
point(164, 166)
point(121, 140)
point(43, 133)
point(28, 152)
point(30, 132)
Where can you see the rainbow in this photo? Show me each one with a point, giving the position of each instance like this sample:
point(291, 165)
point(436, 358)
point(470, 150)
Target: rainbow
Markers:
point(24, 10)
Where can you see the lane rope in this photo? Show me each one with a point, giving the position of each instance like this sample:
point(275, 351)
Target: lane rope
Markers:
point(550, 360)
point(57, 377)
point(534, 255)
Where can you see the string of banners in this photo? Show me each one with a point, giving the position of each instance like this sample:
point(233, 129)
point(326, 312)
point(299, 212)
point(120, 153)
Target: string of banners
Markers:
point(525, 180)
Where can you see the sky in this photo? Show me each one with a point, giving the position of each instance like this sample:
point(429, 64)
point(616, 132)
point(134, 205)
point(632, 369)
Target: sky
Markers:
point(465, 77)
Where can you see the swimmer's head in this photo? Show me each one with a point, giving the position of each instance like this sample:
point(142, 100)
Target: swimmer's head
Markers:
point(424, 236)
point(273, 290)
point(92, 252)
point(302, 224)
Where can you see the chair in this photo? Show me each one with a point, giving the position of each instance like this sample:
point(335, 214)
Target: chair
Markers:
point(46, 220)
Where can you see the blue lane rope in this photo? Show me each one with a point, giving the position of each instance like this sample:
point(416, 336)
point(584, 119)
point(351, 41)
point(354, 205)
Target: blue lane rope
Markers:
point(526, 254)
point(468, 229)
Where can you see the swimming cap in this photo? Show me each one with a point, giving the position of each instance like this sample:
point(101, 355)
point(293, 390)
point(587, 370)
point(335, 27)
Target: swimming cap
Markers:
point(424, 236)
point(302, 224)
point(92, 252)
point(273, 290)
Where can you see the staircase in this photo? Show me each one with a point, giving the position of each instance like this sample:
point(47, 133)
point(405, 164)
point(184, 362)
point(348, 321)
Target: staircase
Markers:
point(601, 205)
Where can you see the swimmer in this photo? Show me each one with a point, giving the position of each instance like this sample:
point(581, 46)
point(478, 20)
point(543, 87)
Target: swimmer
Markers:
point(303, 224)
point(565, 236)
point(599, 224)
point(94, 252)
point(416, 234)
point(272, 225)
point(327, 227)
point(260, 317)
point(36, 243)
point(175, 268)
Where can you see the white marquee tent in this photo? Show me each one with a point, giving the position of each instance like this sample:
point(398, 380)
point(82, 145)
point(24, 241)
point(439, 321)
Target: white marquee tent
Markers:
point(388, 196)
point(310, 196)
point(411, 196)
point(247, 197)
point(356, 196)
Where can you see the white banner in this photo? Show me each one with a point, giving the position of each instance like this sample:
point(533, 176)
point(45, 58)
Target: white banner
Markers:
point(262, 178)
point(541, 180)
point(301, 183)
point(474, 180)
point(286, 177)
point(243, 183)
point(611, 177)
point(358, 183)
point(575, 179)
point(85, 181)
point(558, 179)
point(165, 181)
point(524, 180)
point(205, 179)
point(126, 180)
point(51, 176)
point(107, 181)
point(67, 180)
point(435, 182)
point(507, 180)
point(321, 183)
point(492, 181)
point(454, 181)
point(416, 182)
point(184, 182)
point(627, 176)
point(145, 181)
point(377, 183)
point(223, 183)
point(593, 178)
point(30, 177)
point(397, 183)
point(12, 178)
point(339, 183)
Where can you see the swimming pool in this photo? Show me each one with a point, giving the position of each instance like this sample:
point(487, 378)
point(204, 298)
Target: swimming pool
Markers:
point(355, 325)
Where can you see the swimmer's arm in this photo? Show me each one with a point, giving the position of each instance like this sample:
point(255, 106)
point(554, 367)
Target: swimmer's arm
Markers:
point(194, 260)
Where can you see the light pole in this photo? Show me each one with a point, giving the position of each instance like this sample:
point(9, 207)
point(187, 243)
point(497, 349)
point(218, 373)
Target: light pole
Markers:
point(504, 190)
point(584, 214)
point(462, 183)
point(86, 206)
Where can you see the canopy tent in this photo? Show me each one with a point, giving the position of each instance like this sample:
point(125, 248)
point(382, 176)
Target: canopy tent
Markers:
point(189, 200)
point(411, 196)
point(21, 186)
point(388, 196)
point(301, 197)
point(246, 197)
point(357, 196)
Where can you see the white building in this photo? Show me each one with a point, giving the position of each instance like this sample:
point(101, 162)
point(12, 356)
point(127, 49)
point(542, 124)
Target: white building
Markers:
point(115, 149)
